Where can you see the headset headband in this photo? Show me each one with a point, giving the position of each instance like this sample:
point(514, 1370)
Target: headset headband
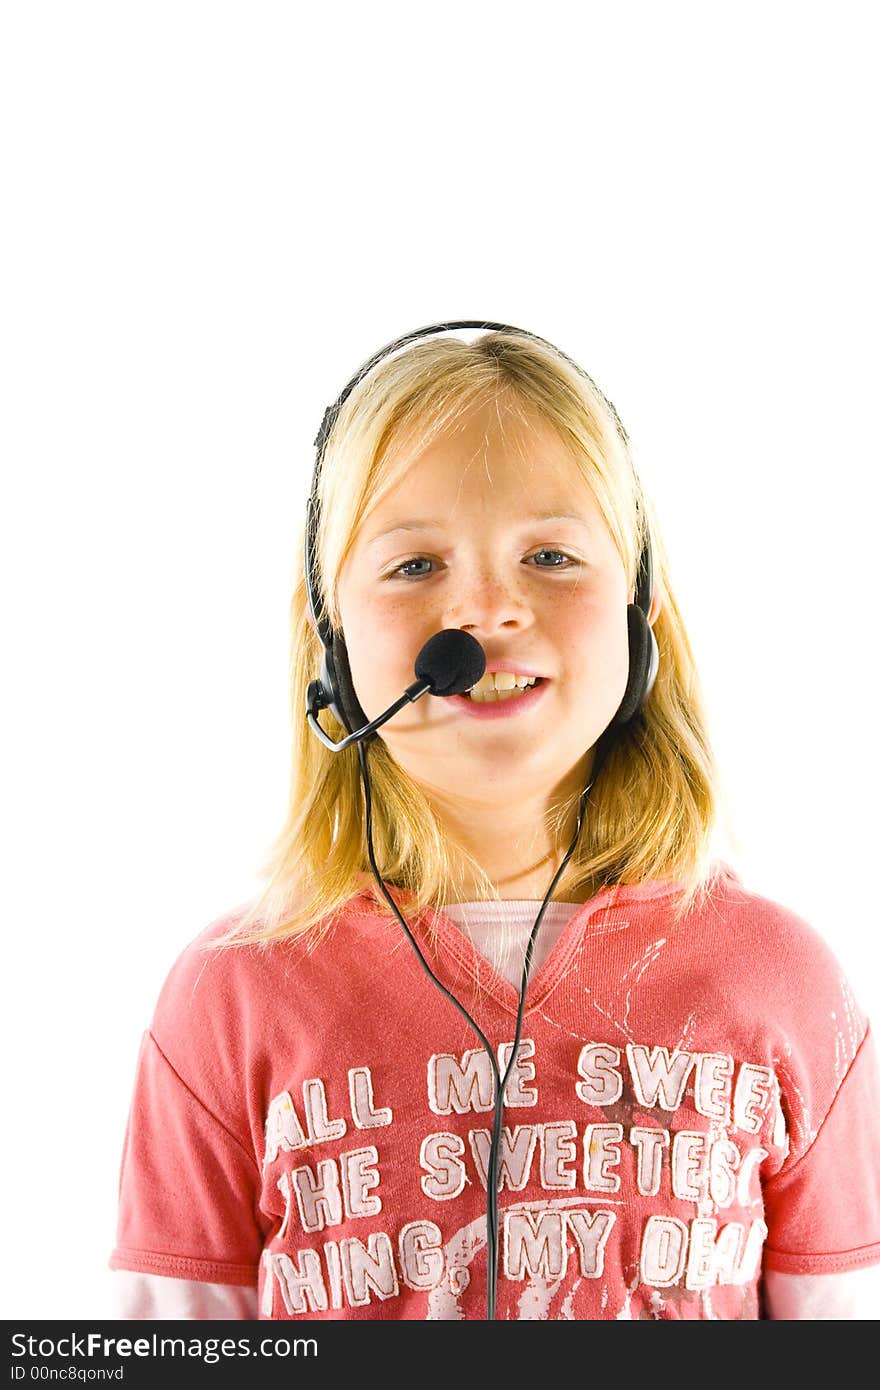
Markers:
point(645, 577)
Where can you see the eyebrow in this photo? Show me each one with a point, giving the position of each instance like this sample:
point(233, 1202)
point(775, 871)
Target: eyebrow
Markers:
point(439, 525)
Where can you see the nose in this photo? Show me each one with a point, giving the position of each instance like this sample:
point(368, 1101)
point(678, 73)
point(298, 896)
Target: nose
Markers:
point(485, 601)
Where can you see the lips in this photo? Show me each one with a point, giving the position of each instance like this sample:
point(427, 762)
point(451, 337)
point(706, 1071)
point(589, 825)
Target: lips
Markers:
point(500, 685)
point(510, 665)
point(512, 708)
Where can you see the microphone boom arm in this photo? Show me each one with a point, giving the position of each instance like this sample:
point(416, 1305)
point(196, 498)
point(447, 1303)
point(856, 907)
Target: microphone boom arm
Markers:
point(315, 704)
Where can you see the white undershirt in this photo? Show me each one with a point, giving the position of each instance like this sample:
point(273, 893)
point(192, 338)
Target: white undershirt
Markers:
point(501, 931)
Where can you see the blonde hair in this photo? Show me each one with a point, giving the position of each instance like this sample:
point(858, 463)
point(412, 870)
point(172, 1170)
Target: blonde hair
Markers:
point(653, 810)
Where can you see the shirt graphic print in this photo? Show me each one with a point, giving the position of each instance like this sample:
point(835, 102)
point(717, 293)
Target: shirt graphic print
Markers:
point(691, 1102)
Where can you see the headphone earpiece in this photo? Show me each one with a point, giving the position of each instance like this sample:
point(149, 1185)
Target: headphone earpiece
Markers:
point(644, 659)
point(346, 702)
point(335, 689)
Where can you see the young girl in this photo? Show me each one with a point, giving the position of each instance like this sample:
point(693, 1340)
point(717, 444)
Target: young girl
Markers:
point(501, 1038)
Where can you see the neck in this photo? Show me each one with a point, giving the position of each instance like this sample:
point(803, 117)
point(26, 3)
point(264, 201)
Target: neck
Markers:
point(512, 843)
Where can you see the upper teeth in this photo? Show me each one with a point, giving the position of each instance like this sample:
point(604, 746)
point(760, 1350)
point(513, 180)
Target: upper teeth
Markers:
point(502, 680)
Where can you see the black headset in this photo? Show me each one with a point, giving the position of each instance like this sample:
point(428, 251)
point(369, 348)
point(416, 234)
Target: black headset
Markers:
point(335, 690)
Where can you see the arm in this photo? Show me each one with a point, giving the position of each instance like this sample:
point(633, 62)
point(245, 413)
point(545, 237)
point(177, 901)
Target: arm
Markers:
point(853, 1294)
point(154, 1297)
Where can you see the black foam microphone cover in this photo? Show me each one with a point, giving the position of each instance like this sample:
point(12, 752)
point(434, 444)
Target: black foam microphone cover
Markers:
point(452, 661)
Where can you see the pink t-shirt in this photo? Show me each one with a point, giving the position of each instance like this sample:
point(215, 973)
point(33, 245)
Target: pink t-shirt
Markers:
point(693, 1103)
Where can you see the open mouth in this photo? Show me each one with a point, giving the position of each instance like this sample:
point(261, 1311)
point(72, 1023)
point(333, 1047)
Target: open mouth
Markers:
point(510, 687)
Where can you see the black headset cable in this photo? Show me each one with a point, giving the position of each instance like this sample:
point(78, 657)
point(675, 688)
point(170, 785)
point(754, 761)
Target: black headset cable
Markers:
point(492, 1244)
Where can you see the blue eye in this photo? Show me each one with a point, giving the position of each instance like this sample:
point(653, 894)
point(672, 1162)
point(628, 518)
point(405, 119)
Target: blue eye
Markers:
point(566, 558)
point(401, 570)
point(417, 560)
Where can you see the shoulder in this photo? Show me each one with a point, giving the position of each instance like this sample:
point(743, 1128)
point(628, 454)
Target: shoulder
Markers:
point(218, 994)
point(768, 937)
point(206, 974)
point(782, 969)
point(771, 976)
point(207, 997)
point(230, 1019)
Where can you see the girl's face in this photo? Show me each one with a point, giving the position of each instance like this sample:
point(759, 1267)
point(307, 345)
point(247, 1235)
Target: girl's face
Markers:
point(492, 529)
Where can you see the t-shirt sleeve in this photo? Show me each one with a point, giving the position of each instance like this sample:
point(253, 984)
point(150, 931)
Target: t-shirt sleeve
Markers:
point(188, 1187)
point(823, 1212)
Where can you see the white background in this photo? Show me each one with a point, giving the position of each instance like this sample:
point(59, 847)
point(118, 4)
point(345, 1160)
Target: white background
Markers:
point(213, 214)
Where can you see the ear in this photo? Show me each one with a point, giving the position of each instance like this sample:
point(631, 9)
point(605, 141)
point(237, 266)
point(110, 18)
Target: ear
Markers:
point(656, 605)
